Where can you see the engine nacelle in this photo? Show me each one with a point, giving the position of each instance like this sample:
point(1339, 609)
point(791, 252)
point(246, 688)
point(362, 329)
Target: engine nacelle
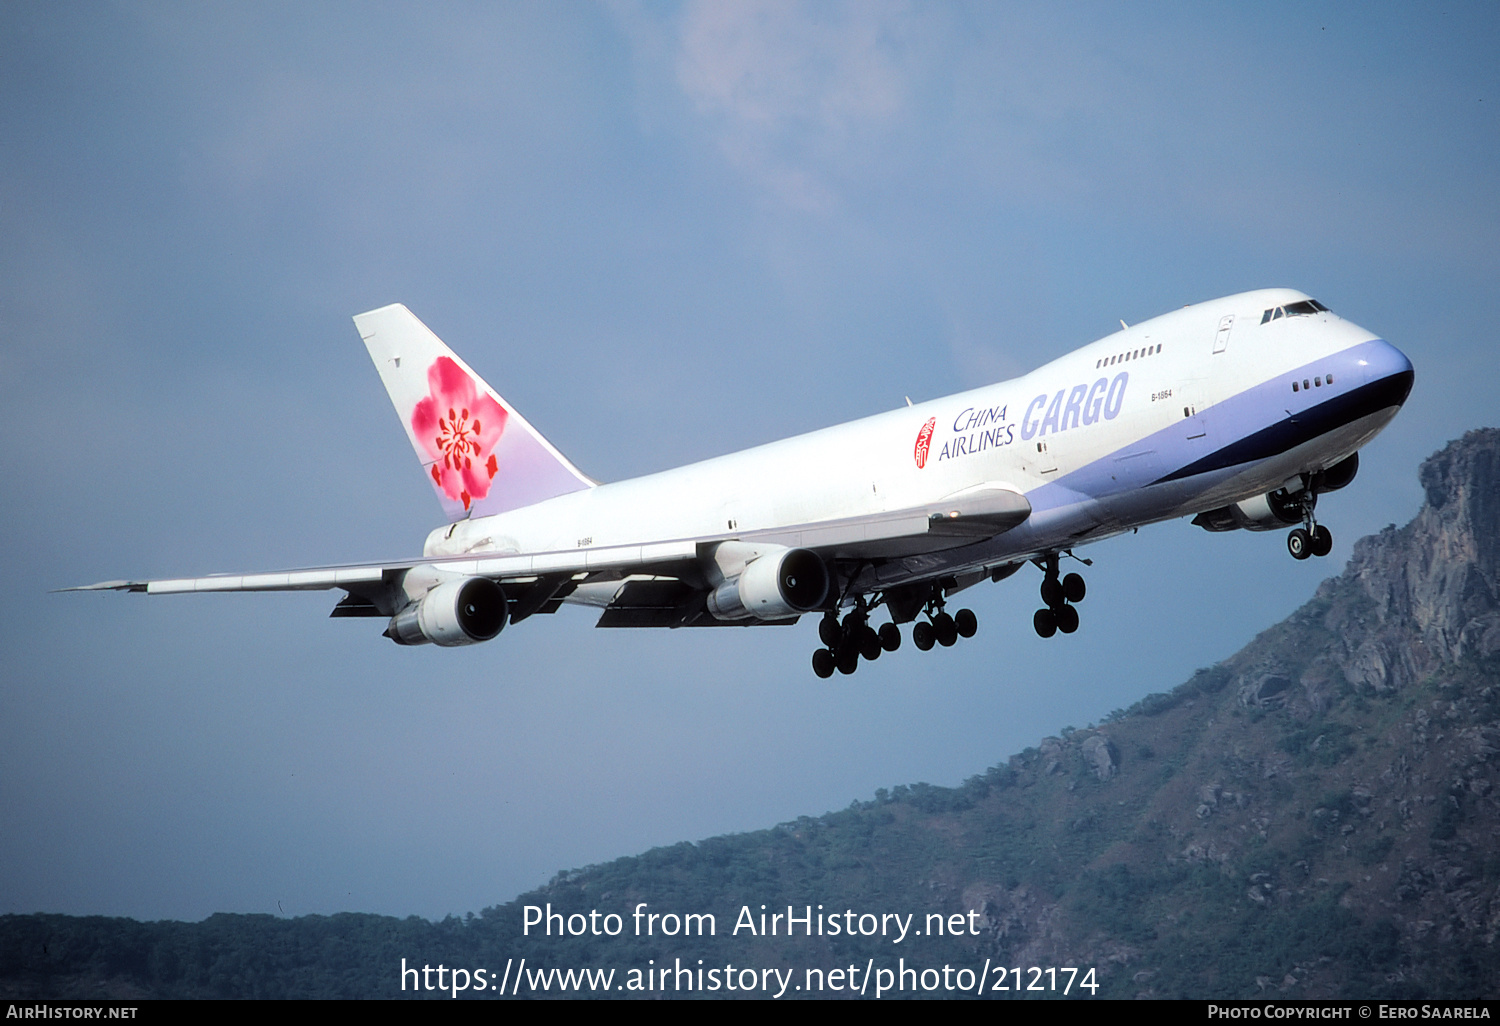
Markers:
point(1270, 512)
point(773, 586)
point(463, 612)
point(1336, 476)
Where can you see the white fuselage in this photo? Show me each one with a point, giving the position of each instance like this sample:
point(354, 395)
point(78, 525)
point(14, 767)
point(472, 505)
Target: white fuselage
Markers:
point(1176, 415)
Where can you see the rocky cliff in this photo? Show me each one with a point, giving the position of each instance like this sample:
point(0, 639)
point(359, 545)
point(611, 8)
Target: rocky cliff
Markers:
point(1427, 595)
point(1337, 777)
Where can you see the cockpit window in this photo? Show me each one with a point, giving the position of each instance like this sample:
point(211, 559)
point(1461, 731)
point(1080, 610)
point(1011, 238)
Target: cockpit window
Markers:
point(1306, 306)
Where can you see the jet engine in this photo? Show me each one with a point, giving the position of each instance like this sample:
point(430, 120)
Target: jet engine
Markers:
point(1270, 512)
point(773, 586)
point(462, 612)
point(1336, 476)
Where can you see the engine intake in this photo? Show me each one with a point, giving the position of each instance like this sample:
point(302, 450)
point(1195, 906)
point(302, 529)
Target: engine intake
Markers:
point(773, 587)
point(463, 612)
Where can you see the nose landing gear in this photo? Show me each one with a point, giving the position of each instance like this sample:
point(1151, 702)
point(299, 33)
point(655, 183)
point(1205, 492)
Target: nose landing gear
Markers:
point(1312, 539)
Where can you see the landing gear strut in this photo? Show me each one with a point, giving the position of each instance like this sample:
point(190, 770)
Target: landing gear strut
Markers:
point(940, 627)
point(1059, 595)
point(1312, 539)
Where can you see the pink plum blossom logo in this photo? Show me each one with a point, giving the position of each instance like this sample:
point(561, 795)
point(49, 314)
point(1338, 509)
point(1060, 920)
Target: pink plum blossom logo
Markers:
point(924, 442)
point(458, 426)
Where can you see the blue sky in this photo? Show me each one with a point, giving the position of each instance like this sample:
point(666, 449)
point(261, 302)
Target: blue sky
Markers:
point(663, 232)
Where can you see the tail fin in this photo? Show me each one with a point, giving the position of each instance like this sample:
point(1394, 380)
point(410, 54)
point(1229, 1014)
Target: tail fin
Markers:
point(480, 454)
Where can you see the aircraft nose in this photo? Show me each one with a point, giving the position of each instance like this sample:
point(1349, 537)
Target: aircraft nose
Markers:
point(1387, 367)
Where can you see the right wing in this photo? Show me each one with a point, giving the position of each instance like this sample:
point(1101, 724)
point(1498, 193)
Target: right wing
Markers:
point(652, 584)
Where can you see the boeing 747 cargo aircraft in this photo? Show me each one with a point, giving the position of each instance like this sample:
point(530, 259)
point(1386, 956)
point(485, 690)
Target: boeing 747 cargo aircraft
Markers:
point(1238, 412)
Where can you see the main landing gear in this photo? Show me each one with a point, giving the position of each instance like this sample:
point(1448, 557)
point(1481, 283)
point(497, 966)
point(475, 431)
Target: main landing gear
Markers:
point(941, 629)
point(850, 640)
point(1312, 539)
point(854, 638)
point(1059, 596)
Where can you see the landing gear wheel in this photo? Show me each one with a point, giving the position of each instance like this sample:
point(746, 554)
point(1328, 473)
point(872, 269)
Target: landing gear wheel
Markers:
point(1299, 543)
point(869, 644)
point(1322, 541)
point(823, 663)
point(966, 622)
point(829, 631)
point(1067, 619)
point(890, 637)
point(1052, 592)
point(848, 661)
point(1073, 588)
point(946, 629)
point(1045, 623)
point(922, 635)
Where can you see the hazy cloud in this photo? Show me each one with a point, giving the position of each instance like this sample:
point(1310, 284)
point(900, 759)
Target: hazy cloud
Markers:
point(786, 84)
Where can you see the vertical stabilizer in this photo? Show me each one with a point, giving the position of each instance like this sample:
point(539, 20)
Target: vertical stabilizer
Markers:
point(481, 456)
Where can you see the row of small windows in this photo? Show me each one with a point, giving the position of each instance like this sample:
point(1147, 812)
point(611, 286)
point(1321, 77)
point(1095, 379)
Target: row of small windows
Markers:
point(1306, 306)
point(1316, 383)
point(1134, 354)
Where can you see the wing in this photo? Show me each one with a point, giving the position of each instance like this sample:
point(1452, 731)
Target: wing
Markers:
point(359, 578)
point(662, 583)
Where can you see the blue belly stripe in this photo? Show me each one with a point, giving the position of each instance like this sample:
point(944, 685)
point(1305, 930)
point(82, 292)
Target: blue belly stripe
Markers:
point(1261, 422)
point(1292, 431)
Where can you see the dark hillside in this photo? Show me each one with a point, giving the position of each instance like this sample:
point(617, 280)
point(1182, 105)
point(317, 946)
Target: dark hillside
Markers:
point(1315, 816)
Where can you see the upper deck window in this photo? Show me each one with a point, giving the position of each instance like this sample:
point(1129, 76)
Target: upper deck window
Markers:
point(1306, 306)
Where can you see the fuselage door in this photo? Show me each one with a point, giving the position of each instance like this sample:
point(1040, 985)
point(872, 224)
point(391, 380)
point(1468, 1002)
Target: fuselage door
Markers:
point(1041, 462)
point(1221, 339)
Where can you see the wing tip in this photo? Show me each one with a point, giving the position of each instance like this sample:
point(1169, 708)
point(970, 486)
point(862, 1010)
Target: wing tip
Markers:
point(105, 586)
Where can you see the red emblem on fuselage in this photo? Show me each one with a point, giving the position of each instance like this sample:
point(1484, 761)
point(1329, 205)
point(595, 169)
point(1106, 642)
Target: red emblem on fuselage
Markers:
point(924, 442)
